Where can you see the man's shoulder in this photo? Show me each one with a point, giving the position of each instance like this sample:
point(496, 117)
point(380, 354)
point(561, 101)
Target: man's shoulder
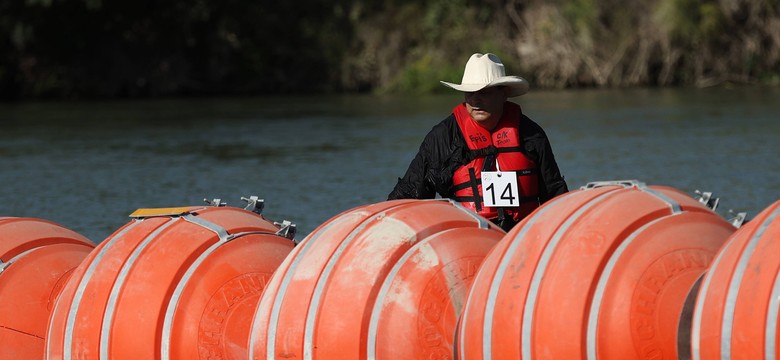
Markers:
point(444, 128)
point(443, 139)
point(529, 128)
point(447, 122)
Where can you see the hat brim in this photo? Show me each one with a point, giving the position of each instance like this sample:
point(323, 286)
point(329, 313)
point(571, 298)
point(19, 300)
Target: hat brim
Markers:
point(517, 85)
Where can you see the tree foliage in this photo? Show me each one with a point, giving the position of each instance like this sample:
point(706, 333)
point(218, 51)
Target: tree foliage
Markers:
point(142, 48)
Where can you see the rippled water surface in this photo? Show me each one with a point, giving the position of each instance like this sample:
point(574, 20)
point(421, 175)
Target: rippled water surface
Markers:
point(87, 165)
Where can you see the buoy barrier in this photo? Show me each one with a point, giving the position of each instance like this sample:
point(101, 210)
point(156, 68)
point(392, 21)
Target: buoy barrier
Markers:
point(174, 283)
point(598, 273)
point(736, 309)
point(381, 281)
point(36, 258)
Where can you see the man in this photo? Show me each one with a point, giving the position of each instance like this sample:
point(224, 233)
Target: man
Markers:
point(487, 154)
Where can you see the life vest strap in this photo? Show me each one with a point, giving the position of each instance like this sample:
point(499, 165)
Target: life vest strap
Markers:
point(477, 199)
point(466, 185)
point(462, 186)
point(492, 150)
point(474, 189)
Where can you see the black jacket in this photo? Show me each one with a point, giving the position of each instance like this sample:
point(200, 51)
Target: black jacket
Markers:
point(444, 150)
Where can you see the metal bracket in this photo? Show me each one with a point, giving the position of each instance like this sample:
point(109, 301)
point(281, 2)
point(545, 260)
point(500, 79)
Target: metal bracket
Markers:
point(738, 219)
point(215, 202)
point(287, 230)
point(254, 204)
point(707, 199)
point(624, 183)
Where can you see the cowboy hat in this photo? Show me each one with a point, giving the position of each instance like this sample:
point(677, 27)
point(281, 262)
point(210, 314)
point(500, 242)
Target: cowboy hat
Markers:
point(487, 70)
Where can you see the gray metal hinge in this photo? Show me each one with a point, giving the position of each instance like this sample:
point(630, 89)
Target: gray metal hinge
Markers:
point(707, 199)
point(287, 229)
point(215, 202)
point(254, 204)
point(738, 219)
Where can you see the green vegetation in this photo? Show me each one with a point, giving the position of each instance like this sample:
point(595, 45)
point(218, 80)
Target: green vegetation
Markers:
point(66, 49)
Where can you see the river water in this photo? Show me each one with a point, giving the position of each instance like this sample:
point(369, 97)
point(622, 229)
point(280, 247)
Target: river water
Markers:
point(88, 165)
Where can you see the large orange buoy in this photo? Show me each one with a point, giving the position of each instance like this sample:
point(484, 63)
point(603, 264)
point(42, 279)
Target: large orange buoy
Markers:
point(381, 281)
point(598, 273)
point(736, 311)
point(177, 283)
point(36, 257)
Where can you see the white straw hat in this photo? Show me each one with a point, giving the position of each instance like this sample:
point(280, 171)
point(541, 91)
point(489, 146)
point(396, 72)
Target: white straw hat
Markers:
point(487, 70)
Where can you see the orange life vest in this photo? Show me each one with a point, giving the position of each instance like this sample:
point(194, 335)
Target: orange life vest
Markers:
point(502, 145)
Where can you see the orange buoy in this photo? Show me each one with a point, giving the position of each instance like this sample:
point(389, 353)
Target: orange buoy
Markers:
point(381, 281)
point(36, 258)
point(177, 283)
point(736, 310)
point(598, 273)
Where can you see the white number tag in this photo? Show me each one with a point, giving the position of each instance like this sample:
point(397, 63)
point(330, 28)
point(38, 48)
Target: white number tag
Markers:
point(499, 188)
